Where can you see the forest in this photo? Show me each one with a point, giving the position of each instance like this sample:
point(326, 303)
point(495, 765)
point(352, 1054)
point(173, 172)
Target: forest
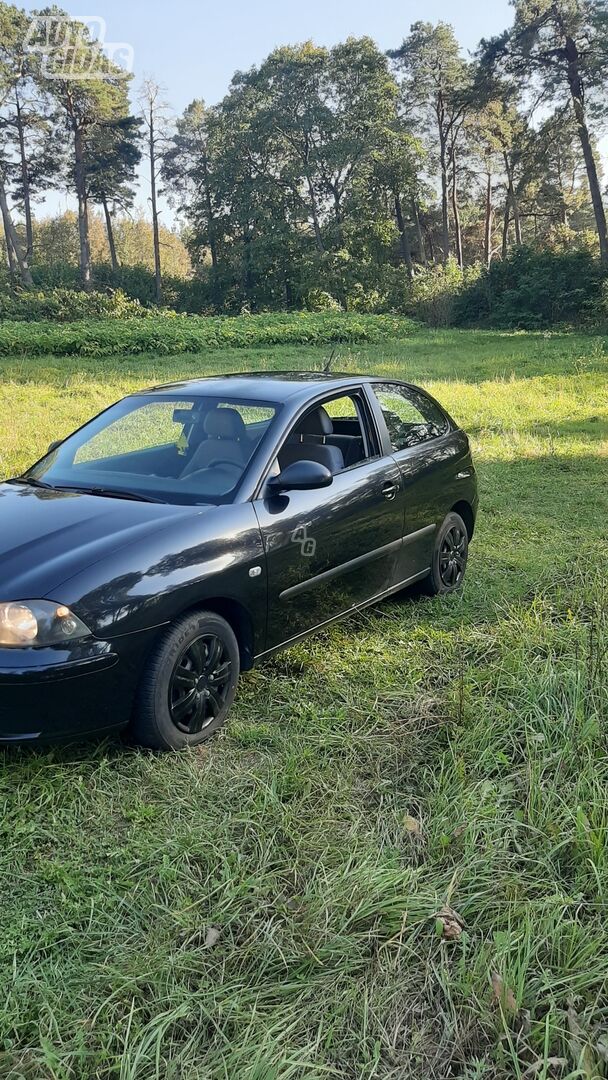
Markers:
point(458, 189)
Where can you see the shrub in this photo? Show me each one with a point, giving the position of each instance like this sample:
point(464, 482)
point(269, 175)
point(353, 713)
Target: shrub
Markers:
point(534, 289)
point(319, 300)
point(435, 290)
point(67, 305)
point(169, 333)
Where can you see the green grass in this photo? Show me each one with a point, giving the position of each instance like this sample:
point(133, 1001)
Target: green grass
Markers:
point(482, 717)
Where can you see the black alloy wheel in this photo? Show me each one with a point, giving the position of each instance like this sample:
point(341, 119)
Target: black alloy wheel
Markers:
point(449, 558)
point(189, 683)
point(453, 557)
point(200, 683)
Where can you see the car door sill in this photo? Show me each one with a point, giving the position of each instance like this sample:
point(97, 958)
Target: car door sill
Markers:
point(348, 611)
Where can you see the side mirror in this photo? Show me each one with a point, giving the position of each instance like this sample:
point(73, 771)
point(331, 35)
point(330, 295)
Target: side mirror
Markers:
point(301, 476)
point(54, 445)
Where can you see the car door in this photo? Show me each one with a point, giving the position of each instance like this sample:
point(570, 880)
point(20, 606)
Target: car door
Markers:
point(426, 448)
point(331, 548)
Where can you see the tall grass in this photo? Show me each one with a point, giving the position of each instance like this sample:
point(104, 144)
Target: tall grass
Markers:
point(426, 753)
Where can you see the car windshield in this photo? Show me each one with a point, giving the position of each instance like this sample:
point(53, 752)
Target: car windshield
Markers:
point(176, 450)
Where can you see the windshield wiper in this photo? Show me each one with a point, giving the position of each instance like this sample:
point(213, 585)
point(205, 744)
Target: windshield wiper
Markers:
point(31, 481)
point(110, 493)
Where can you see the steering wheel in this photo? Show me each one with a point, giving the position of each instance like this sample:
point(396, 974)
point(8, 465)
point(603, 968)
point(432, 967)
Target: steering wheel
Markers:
point(217, 462)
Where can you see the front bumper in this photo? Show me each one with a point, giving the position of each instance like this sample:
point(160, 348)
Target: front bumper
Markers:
point(60, 692)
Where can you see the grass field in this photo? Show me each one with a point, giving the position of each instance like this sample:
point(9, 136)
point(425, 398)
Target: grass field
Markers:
point(426, 753)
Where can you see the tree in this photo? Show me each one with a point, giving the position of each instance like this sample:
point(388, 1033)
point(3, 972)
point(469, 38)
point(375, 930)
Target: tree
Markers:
point(113, 155)
point(395, 164)
point(187, 169)
point(437, 87)
point(85, 104)
point(155, 115)
point(560, 47)
point(11, 37)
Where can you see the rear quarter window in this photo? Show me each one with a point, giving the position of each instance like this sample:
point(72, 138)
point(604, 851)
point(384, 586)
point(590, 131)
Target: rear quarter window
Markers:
point(410, 416)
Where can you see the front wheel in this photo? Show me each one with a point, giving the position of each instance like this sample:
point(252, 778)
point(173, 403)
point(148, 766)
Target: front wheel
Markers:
point(189, 683)
point(450, 555)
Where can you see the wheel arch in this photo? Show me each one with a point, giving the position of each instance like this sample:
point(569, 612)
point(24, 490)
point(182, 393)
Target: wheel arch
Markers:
point(465, 510)
point(238, 618)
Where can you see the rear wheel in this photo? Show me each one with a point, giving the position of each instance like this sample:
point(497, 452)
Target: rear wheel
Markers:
point(450, 556)
point(189, 683)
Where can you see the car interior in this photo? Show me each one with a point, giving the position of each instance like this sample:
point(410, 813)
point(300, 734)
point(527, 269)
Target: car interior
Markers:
point(196, 448)
point(200, 449)
point(336, 442)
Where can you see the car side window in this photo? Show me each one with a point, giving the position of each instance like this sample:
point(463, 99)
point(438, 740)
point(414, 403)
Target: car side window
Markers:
point(335, 432)
point(411, 418)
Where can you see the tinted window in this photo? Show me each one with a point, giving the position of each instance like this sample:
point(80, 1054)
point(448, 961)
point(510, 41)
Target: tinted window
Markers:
point(173, 449)
point(150, 426)
point(411, 417)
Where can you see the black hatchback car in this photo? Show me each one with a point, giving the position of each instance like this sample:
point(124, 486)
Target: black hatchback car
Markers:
point(190, 530)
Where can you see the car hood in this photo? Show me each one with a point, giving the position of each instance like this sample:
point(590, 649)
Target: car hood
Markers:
point(48, 536)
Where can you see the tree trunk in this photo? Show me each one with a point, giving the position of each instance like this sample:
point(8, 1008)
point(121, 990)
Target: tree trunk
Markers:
point(506, 221)
point(487, 241)
point(110, 231)
point(11, 261)
point(416, 219)
point(406, 251)
point(247, 270)
point(575, 83)
point(153, 198)
point(338, 212)
point(12, 239)
point(456, 212)
point(211, 235)
point(445, 221)
point(429, 236)
point(83, 210)
point(25, 181)
point(512, 199)
point(315, 215)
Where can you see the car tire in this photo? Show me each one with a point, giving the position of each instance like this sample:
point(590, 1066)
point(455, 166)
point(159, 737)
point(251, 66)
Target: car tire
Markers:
point(450, 554)
point(189, 683)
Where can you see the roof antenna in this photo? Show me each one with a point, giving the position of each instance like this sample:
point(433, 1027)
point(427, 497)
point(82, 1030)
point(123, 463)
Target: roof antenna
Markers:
point(328, 363)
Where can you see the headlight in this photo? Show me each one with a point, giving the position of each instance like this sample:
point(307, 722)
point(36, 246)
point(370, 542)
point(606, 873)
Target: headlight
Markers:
point(38, 622)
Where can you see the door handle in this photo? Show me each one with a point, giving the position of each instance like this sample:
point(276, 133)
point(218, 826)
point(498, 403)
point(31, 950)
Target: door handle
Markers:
point(389, 490)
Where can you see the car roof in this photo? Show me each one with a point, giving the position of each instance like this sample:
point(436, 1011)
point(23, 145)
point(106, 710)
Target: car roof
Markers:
point(264, 385)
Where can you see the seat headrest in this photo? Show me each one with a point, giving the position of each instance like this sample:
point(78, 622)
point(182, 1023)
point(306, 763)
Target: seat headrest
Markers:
point(224, 424)
point(316, 422)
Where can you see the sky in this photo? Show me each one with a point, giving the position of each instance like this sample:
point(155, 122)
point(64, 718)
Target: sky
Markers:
point(193, 49)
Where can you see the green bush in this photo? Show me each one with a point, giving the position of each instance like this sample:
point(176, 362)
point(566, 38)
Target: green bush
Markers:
point(534, 289)
point(170, 333)
point(67, 305)
point(435, 290)
point(134, 282)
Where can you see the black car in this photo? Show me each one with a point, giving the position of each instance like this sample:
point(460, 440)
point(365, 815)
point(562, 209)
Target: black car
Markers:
point(192, 529)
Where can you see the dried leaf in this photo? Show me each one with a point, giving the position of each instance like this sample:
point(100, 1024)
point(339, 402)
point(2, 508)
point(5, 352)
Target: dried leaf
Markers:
point(411, 825)
point(504, 995)
point(448, 923)
point(212, 937)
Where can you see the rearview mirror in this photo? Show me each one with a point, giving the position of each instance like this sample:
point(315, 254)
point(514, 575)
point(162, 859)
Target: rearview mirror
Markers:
point(301, 476)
